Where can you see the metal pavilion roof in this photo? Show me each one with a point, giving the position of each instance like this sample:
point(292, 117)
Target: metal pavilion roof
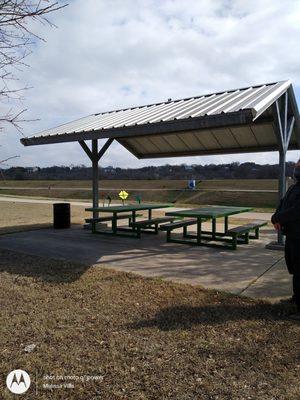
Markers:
point(234, 121)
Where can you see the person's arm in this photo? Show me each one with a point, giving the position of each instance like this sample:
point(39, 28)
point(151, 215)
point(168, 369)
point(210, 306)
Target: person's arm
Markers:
point(289, 214)
point(274, 219)
point(274, 216)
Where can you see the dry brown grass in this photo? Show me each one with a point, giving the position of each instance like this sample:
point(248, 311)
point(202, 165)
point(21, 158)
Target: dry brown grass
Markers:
point(149, 339)
point(145, 184)
point(17, 216)
point(168, 190)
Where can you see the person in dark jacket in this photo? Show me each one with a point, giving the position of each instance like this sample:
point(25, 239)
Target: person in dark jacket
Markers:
point(287, 220)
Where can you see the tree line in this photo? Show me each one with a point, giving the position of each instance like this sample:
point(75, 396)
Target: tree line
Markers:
point(234, 170)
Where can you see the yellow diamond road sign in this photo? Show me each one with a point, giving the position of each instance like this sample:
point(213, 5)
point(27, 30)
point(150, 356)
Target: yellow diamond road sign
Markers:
point(123, 195)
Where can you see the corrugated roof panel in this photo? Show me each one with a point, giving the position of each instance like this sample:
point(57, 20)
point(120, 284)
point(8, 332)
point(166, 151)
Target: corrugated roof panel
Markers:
point(268, 91)
point(145, 113)
point(253, 98)
point(193, 141)
point(144, 117)
point(161, 143)
point(206, 106)
point(176, 143)
point(217, 107)
point(148, 144)
point(187, 125)
point(264, 134)
point(244, 136)
point(131, 145)
point(208, 140)
point(184, 107)
point(225, 138)
point(200, 103)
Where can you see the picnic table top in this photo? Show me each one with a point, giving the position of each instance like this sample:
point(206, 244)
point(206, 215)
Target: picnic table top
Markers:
point(129, 207)
point(210, 212)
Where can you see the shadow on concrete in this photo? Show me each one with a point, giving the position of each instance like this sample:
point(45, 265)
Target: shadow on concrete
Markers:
point(150, 256)
point(39, 268)
point(22, 228)
point(184, 316)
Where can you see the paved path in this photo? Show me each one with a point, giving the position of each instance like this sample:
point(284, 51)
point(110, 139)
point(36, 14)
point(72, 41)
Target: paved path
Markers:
point(15, 199)
point(252, 270)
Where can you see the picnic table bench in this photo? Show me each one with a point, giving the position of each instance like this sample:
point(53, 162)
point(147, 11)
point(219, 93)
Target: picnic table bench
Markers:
point(94, 221)
point(243, 232)
point(177, 224)
point(152, 223)
point(117, 213)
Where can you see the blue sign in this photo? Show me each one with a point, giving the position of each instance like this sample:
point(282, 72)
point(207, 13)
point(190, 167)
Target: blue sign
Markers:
point(192, 184)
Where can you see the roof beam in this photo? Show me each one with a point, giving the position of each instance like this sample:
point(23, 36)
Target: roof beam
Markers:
point(104, 148)
point(237, 150)
point(242, 117)
point(294, 108)
point(86, 149)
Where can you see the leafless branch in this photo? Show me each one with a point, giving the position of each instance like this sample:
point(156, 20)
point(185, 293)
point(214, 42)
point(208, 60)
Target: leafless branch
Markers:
point(16, 39)
point(7, 159)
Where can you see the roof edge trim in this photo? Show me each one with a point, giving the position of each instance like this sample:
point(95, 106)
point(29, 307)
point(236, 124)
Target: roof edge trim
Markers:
point(241, 117)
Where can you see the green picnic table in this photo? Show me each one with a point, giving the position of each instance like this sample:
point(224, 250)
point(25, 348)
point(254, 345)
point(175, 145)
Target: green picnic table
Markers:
point(208, 213)
point(131, 208)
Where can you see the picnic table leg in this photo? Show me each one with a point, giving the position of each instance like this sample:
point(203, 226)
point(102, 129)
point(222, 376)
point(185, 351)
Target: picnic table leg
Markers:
point(247, 238)
point(234, 242)
point(199, 229)
point(257, 233)
point(214, 228)
point(93, 227)
point(226, 224)
point(133, 219)
point(185, 231)
point(149, 213)
point(168, 235)
point(133, 216)
point(114, 223)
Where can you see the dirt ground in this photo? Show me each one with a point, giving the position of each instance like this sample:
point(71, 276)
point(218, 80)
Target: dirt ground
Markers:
point(16, 217)
point(142, 338)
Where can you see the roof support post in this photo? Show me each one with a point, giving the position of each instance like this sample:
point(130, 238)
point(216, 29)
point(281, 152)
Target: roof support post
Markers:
point(95, 155)
point(95, 165)
point(104, 148)
point(281, 185)
point(283, 127)
point(86, 149)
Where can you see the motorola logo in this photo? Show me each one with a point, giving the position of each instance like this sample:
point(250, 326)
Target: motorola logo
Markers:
point(18, 381)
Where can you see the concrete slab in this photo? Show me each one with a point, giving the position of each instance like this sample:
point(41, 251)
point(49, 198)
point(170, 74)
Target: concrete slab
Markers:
point(251, 270)
point(273, 285)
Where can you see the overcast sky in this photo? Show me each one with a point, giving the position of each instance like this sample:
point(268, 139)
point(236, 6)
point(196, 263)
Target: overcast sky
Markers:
point(110, 54)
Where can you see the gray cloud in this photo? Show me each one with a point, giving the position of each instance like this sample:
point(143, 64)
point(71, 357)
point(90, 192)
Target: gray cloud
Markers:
point(112, 54)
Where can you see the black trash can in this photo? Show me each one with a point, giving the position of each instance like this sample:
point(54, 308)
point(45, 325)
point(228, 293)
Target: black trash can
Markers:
point(61, 215)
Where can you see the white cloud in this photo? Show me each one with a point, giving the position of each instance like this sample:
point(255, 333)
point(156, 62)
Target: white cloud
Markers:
point(112, 54)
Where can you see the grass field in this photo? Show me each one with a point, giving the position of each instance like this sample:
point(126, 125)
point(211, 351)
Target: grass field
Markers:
point(143, 338)
point(210, 192)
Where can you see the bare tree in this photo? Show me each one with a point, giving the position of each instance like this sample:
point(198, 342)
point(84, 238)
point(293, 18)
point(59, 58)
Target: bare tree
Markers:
point(16, 40)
